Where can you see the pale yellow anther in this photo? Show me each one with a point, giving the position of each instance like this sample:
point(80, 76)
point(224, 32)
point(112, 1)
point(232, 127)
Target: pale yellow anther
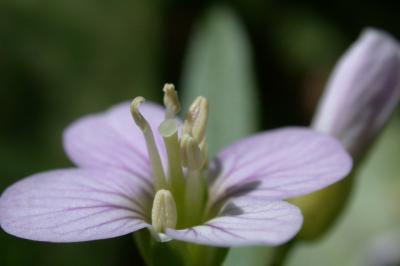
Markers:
point(192, 156)
point(163, 213)
point(137, 116)
point(171, 100)
point(204, 148)
point(196, 119)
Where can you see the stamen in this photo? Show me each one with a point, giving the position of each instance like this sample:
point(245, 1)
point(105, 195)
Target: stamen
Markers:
point(163, 213)
point(169, 130)
point(204, 150)
point(196, 119)
point(192, 157)
point(171, 101)
point(158, 172)
point(137, 116)
point(195, 190)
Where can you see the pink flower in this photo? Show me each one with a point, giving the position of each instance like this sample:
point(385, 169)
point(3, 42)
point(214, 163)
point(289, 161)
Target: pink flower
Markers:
point(129, 178)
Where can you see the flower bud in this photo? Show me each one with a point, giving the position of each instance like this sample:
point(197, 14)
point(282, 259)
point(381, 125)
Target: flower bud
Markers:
point(362, 92)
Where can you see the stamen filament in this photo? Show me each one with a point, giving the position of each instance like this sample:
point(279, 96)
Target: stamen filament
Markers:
point(156, 165)
point(195, 189)
point(195, 195)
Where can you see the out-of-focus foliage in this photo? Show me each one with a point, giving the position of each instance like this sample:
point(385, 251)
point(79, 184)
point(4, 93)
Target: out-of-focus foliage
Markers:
point(60, 60)
point(219, 67)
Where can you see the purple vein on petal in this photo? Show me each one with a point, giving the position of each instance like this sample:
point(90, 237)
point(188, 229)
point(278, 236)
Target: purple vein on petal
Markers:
point(56, 205)
point(245, 221)
point(281, 162)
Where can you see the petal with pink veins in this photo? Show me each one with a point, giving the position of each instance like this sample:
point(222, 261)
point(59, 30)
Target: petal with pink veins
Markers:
point(73, 205)
point(280, 164)
point(246, 221)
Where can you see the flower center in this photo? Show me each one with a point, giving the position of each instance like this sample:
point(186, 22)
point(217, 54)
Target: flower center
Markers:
point(187, 161)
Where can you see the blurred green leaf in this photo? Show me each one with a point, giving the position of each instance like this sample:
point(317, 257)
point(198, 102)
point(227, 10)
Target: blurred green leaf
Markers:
point(219, 67)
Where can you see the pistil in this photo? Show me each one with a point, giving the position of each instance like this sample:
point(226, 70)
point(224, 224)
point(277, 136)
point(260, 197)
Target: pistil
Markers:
point(169, 130)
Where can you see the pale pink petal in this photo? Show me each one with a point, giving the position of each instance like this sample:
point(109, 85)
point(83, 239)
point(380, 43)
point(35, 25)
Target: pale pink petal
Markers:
point(73, 205)
point(246, 221)
point(280, 164)
point(112, 139)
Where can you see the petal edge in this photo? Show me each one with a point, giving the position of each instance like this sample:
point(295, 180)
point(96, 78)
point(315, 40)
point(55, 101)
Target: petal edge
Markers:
point(246, 221)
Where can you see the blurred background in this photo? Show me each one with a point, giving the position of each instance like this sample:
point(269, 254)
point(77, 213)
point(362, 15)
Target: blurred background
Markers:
point(62, 59)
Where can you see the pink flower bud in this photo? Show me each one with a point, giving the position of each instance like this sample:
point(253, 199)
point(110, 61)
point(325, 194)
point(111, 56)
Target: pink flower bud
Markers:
point(362, 91)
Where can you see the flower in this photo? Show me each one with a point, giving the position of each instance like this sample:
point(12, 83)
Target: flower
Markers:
point(362, 92)
point(129, 178)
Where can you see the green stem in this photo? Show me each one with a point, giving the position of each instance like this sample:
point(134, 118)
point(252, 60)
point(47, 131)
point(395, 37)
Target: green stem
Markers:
point(143, 243)
point(199, 255)
point(156, 253)
point(281, 253)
